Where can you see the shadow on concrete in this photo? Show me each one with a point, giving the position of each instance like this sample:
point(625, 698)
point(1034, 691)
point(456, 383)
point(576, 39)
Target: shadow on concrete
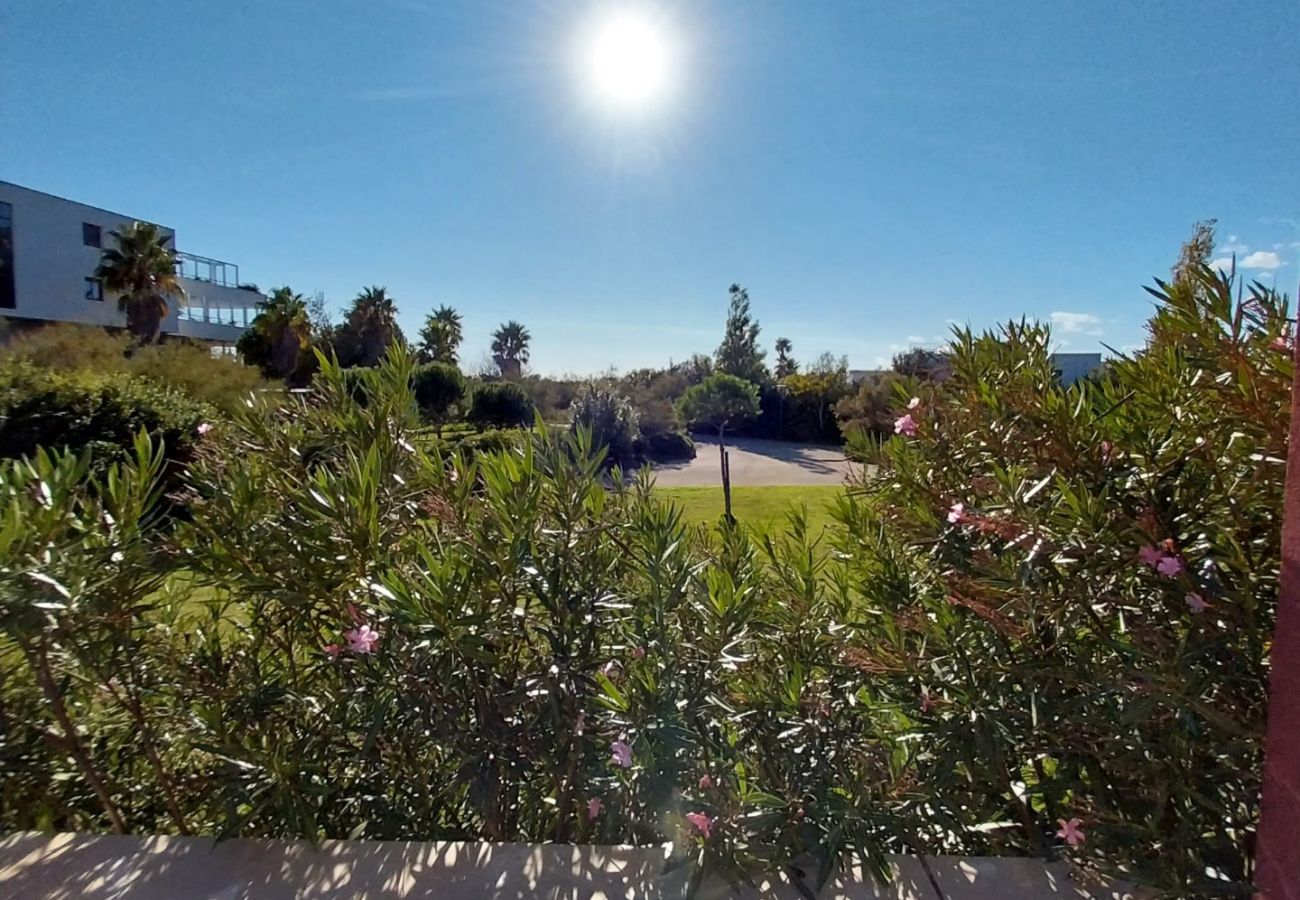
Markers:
point(110, 867)
point(759, 462)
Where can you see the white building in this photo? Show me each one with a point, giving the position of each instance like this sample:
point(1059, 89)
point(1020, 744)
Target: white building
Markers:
point(49, 248)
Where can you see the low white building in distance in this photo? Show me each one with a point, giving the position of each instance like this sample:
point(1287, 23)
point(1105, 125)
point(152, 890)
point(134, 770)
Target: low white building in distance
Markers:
point(1070, 367)
point(50, 247)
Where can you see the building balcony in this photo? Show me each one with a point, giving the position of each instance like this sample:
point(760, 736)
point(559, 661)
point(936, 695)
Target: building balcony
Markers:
point(213, 310)
point(193, 267)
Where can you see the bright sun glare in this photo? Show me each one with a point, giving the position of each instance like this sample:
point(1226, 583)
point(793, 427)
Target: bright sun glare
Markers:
point(629, 65)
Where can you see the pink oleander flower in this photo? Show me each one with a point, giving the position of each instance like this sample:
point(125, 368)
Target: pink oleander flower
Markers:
point(332, 650)
point(621, 754)
point(1196, 603)
point(927, 702)
point(1071, 831)
point(905, 425)
point(706, 782)
point(1170, 565)
point(701, 823)
point(204, 428)
point(1107, 451)
point(594, 807)
point(914, 403)
point(362, 639)
point(957, 513)
point(638, 652)
point(1150, 556)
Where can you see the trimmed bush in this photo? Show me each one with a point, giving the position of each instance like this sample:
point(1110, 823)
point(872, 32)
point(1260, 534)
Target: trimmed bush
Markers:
point(500, 404)
point(491, 441)
point(666, 446)
point(438, 388)
point(83, 410)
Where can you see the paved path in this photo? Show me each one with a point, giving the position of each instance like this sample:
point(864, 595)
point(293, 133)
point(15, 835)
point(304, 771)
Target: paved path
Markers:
point(757, 462)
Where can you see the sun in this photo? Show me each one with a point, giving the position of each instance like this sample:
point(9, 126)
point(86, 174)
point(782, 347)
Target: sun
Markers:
point(628, 62)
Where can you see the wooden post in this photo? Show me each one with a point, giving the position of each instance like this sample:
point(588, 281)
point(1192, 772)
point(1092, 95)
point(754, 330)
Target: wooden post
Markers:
point(726, 482)
point(1277, 848)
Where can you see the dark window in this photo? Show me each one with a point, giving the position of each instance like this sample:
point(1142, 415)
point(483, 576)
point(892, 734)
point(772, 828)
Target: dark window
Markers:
point(90, 235)
point(94, 289)
point(7, 300)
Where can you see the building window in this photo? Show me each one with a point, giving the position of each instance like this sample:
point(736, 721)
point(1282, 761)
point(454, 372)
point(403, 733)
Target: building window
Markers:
point(7, 300)
point(90, 235)
point(94, 289)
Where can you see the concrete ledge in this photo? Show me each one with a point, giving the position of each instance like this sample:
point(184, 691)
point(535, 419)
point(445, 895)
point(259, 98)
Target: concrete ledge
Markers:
point(110, 867)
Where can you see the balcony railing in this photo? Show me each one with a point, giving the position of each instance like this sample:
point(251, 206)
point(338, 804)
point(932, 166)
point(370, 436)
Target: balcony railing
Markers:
point(239, 316)
point(201, 268)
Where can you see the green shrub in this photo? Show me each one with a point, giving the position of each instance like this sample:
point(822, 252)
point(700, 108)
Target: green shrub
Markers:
point(1045, 604)
point(720, 401)
point(500, 404)
point(64, 346)
point(551, 397)
point(221, 381)
point(666, 446)
point(474, 443)
point(83, 410)
point(608, 418)
point(871, 408)
point(354, 381)
point(438, 389)
point(1076, 588)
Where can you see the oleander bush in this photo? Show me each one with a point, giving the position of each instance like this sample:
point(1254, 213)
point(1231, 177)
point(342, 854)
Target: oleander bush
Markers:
point(1074, 590)
point(1042, 628)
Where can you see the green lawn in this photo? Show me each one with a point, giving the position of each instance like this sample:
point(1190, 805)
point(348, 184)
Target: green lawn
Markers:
point(761, 508)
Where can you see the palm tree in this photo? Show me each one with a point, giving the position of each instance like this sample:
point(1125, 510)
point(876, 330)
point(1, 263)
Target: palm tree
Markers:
point(441, 336)
point(510, 348)
point(784, 364)
point(284, 329)
point(368, 329)
point(142, 272)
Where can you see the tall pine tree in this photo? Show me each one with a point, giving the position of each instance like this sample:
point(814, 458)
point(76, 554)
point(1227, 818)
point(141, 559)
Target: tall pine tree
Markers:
point(739, 353)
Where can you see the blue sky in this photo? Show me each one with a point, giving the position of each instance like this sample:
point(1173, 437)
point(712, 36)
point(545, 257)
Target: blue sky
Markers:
point(870, 171)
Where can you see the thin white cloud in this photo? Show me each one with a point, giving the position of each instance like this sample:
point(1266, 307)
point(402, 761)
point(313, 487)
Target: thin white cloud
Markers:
point(915, 339)
point(1222, 264)
point(1076, 323)
point(1262, 259)
point(1233, 245)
